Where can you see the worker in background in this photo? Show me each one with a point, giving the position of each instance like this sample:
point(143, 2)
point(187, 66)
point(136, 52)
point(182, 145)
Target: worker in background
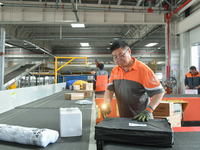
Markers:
point(192, 79)
point(93, 72)
point(133, 84)
point(101, 78)
point(94, 83)
point(96, 62)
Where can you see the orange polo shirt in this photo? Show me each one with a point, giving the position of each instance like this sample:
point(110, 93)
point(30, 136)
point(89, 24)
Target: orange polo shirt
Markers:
point(133, 88)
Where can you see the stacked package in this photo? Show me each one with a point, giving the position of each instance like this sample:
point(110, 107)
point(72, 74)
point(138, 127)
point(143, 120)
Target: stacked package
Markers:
point(153, 133)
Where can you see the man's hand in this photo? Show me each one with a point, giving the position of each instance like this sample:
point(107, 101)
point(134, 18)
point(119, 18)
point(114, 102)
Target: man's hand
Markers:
point(196, 87)
point(187, 87)
point(105, 109)
point(144, 115)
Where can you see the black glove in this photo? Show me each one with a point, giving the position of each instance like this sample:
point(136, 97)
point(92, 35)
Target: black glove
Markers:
point(144, 115)
point(105, 109)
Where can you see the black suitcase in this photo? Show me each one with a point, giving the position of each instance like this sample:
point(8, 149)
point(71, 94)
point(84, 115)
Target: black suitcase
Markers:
point(156, 132)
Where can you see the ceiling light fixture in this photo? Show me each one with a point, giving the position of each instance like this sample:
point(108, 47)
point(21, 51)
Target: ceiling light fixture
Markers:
point(84, 44)
point(78, 25)
point(150, 44)
point(160, 62)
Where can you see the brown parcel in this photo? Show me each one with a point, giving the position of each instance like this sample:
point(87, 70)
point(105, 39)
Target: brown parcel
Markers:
point(86, 93)
point(76, 87)
point(88, 86)
point(175, 119)
point(74, 96)
point(164, 109)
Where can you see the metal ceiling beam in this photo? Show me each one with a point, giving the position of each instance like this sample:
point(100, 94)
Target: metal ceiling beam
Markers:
point(139, 2)
point(113, 8)
point(119, 2)
point(188, 23)
point(76, 38)
point(37, 47)
point(75, 10)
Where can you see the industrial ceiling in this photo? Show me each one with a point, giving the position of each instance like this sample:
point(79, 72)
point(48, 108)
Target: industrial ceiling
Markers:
point(60, 39)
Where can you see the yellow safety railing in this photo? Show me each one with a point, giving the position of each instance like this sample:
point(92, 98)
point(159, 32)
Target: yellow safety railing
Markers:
point(153, 65)
point(72, 58)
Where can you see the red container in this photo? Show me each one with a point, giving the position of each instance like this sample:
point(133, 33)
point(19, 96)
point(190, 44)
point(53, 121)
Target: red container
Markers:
point(114, 109)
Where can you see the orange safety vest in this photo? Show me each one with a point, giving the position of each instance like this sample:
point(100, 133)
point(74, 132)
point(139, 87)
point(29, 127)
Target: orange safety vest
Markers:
point(101, 80)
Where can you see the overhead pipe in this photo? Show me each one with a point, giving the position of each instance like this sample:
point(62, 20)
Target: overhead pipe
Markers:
point(150, 9)
point(190, 4)
point(168, 17)
point(75, 10)
point(85, 8)
point(168, 67)
point(179, 8)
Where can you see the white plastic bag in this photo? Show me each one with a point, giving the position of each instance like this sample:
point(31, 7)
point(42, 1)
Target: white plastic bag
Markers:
point(84, 102)
point(24, 135)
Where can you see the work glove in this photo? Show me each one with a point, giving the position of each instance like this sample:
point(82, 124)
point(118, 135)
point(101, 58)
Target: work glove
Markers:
point(105, 109)
point(144, 115)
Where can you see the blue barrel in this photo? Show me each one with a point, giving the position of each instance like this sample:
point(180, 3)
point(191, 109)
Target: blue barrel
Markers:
point(70, 82)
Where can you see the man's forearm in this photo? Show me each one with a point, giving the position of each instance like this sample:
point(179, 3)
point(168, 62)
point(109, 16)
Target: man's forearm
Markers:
point(108, 96)
point(156, 100)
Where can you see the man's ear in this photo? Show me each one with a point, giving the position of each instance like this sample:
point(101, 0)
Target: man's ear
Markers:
point(129, 51)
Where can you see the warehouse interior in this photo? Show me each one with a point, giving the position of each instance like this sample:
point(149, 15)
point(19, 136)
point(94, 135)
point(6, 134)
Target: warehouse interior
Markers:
point(42, 48)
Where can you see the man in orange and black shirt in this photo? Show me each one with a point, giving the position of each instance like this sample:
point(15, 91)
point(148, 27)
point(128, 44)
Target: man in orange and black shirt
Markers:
point(192, 79)
point(133, 84)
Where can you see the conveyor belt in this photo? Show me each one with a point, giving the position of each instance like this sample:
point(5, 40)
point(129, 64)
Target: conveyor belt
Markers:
point(15, 73)
point(183, 141)
point(44, 113)
point(181, 95)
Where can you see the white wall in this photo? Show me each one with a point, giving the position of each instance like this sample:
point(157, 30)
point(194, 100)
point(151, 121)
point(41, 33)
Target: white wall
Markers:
point(9, 99)
point(187, 40)
point(195, 36)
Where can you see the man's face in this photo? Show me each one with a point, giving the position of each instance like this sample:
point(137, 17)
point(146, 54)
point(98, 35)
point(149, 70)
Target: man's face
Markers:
point(122, 57)
point(93, 72)
point(192, 71)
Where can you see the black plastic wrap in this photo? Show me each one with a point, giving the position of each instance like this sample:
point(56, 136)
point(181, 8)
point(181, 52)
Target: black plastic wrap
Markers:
point(156, 132)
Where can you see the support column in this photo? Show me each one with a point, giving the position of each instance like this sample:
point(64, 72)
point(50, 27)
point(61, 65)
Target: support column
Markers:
point(29, 79)
point(36, 81)
point(174, 42)
point(2, 52)
point(44, 80)
point(18, 83)
point(184, 58)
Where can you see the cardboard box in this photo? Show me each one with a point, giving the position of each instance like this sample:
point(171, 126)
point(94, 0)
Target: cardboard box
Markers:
point(164, 109)
point(74, 96)
point(70, 87)
point(191, 91)
point(88, 86)
point(175, 119)
point(183, 103)
point(70, 122)
point(86, 93)
point(76, 87)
